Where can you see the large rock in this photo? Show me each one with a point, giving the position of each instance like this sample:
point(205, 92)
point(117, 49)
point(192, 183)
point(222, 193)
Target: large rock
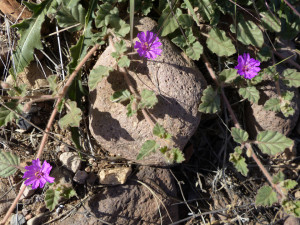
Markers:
point(258, 119)
point(132, 203)
point(178, 85)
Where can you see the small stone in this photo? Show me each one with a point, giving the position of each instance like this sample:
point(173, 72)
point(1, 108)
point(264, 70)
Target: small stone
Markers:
point(28, 217)
point(291, 220)
point(63, 148)
point(80, 177)
point(62, 176)
point(91, 179)
point(25, 211)
point(87, 169)
point(7, 197)
point(27, 192)
point(95, 164)
point(37, 220)
point(91, 160)
point(70, 160)
point(17, 219)
point(114, 176)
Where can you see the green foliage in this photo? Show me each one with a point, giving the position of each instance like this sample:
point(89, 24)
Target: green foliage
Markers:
point(278, 177)
point(291, 77)
point(289, 184)
point(159, 131)
point(120, 96)
point(239, 135)
point(264, 54)
point(210, 101)
point(239, 161)
point(270, 22)
point(292, 207)
point(97, 74)
point(52, 197)
point(248, 33)
point(148, 99)
point(52, 80)
point(272, 142)
point(265, 196)
point(7, 115)
point(228, 75)
point(185, 21)
point(273, 104)
point(194, 50)
point(167, 21)
point(131, 110)
point(144, 6)
point(250, 93)
point(191, 9)
point(8, 163)
point(124, 61)
point(72, 118)
point(177, 155)
point(147, 148)
point(219, 43)
point(285, 103)
point(30, 32)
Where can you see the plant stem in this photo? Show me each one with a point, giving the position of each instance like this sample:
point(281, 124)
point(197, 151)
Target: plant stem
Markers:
point(237, 125)
point(62, 93)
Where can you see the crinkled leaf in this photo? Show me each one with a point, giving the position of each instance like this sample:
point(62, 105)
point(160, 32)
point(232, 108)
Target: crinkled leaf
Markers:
point(8, 163)
point(219, 43)
point(7, 115)
point(248, 33)
point(160, 131)
point(186, 21)
point(51, 198)
point(207, 10)
point(277, 178)
point(148, 99)
point(67, 17)
point(52, 80)
point(250, 93)
point(120, 96)
point(120, 47)
point(190, 7)
point(264, 54)
point(177, 155)
point(239, 135)
point(68, 3)
point(130, 110)
point(30, 31)
point(291, 78)
point(210, 101)
point(68, 192)
point(273, 104)
point(270, 22)
point(124, 61)
point(167, 21)
point(290, 24)
point(272, 142)
point(97, 74)
point(194, 51)
point(291, 207)
point(147, 148)
point(289, 184)
point(72, 118)
point(179, 40)
point(228, 75)
point(265, 196)
point(239, 161)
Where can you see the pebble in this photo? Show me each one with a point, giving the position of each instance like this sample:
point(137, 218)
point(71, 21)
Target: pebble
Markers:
point(17, 219)
point(71, 161)
point(80, 177)
point(114, 176)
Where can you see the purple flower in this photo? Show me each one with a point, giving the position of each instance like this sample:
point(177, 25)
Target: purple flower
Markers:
point(247, 67)
point(37, 175)
point(148, 47)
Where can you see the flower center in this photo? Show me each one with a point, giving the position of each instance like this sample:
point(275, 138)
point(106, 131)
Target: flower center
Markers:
point(145, 46)
point(38, 174)
point(245, 68)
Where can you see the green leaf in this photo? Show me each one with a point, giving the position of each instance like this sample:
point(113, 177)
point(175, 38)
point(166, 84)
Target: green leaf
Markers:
point(185, 21)
point(121, 47)
point(96, 76)
point(7, 115)
point(68, 192)
point(264, 54)
point(67, 17)
point(68, 3)
point(51, 199)
point(270, 22)
point(292, 207)
point(210, 101)
point(178, 156)
point(239, 135)
point(239, 161)
point(278, 177)
point(53, 84)
point(167, 21)
point(219, 43)
point(8, 163)
point(250, 93)
point(194, 51)
point(190, 7)
point(248, 33)
point(160, 131)
point(289, 184)
point(147, 148)
point(30, 32)
point(273, 104)
point(228, 75)
point(120, 96)
point(121, 28)
point(72, 118)
point(272, 142)
point(291, 78)
point(105, 9)
point(207, 10)
point(148, 99)
point(130, 110)
point(124, 61)
point(265, 196)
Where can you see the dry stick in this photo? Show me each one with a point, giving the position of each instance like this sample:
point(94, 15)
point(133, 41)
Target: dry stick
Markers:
point(45, 136)
point(237, 125)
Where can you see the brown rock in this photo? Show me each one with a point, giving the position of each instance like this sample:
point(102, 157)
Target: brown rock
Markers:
point(132, 203)
point(291, 220)
point(7, 197)
point(114, 176)
point(258, 119)
point(178, 85)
